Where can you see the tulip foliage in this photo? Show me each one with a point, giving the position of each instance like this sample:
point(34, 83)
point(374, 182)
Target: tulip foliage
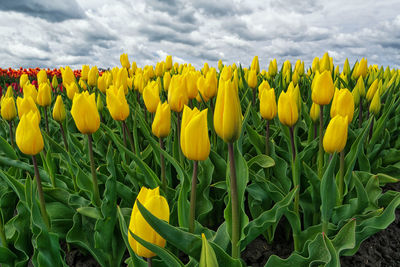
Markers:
point(185, 161)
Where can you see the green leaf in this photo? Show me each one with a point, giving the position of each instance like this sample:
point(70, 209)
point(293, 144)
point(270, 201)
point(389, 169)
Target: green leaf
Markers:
point(90, 212)
point(207, 257)
point(7, 149)
point(263, 161)
point(328, 191)
point(7, 256)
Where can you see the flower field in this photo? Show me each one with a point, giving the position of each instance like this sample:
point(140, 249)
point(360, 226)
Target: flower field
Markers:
point(169, 165)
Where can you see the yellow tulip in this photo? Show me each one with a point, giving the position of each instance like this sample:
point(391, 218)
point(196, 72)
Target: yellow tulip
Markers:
point(362, 68)
point(28, 136)
point(343, 104)
point(228, 113)
point(360, 86)
point(71, 89)
point(159, 69)
point(255, 65)
point(287, 109)
point(211, 83)
point(93, 76)
point(346, 67)
point(166, 80)
point(82, 84)
point(101, 83)
point(372, 89)
point(314, 112)
point(59, 110)
point(220, 65)
point(151, 96)
point(191, 84)
point(67, 76)
point(85, 72)
point(44, 95)
point(168, 63)
point(134, 67)
point(162, 120)
point(205, 69)
point(268, 104)
point(158, 206)
point(177, 94)
point(26, 104)
point(54, 82)
point(315, 65)
point(324, 63)
point(195, 143)
point(30, 90)
point(252, 79)
point(99, 103)
point(335, 137)
point(201, 85)
point(23, 80)
point(122, 80)
point(375, 105)
point(123, 58)
point(10, 92)
point(41, 77)
point(272, 68)
point(116, 103)
point(8, 110)
point(323, 90)
point(85, 114)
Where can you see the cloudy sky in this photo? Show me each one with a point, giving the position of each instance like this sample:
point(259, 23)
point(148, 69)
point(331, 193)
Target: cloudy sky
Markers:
point(54, 33)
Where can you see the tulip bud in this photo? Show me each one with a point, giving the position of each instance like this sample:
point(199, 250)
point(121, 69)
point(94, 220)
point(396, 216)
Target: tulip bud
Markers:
point(28, 136)
point(272, 68)
point(343, 104)
point(85, 72)
point(168, 63)
point(362, 68)
point(123, 58)
point(191, 84)
point(177, 94)
point(372, 89)
point(93, 76)
point(375, 105)
point(42, 77)
point(68, 76)
point(54, 82)
point(360, 86)
point(44, 95)
point(287, 109)
point(71, 90)
point(26, 104)
point(10, 92)
point(151, 96)
point(268, 104)
point(323, 90)
point(356, 96)
point(335, 137)
point(166, 80)
point(59, 110)
point(122, 80)
point(211, 83)
point(252, 79)
point(220, 65)
point(205, 69)
point(101, 83)
point(207, 256)
point(84, 112)
point(30, 90)
point(82, 84)
point(263, 86)
point(8, 110)
point(195, 143)
point(346, 67)
point(314, 112)
point(116, 103)
point(158, 206)
point(162, 120)
point(255, 65)
point(201, 85)
point(315, 65)
point(99, 103)
point(228, 112)
point(23, 80)
point(324, 64)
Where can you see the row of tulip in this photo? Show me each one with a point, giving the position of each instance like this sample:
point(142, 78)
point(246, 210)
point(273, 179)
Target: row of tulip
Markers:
point(244, 178)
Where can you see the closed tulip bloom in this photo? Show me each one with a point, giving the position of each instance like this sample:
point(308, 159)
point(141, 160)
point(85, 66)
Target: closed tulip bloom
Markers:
point(44, 95)
point(211, 83)
point(195, 143)
point(362, 69)
point(220, 65)
point(272, 68)
point(85, 72)
point(117, 104)
point(8, 110)
point(375, 105)
point(372, 89)
point(30, 90)
point(68, 76)
point(360, 86)
point(59, 110)
point(42, 77)
point(268, 104)
point(123, 58)
point(343, 104)
point(226, 73)
point(255, 65)
point(99, 103)
point(205, 69)
point(324, 63)
point(177, 94)
point(26, 104)
point(346, 67)
point(287, 109)
point(315, 65)
point(252, 79)
point(295, 92)
point(201, 85)
point(314, 112)
point(335, 137)
point(323, 90)
point(28, 136)
point(93, 76)
point(168, 63)
point(82, 84)
point(158, 206)
point(228, 113)
point(85, 114)
point(71, 89)
point(191, 84)
point(159, 69)
point(54, 82)
point(162, 120)
point(101, 83)
point(166, 80)
point(23, 80)
point(151, 96)
point(122, 80)
point(10, 92)
point(356, 96)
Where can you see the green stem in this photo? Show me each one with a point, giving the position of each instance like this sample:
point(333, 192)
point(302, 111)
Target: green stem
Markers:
point(267, 139)
point(162, 162)
point(96, 194)
point(2, 233)
point(360, 117)
point(341, 177)
point(46, 120)
point(321, 149)
point(124, 133)
point(296, 183)
point(149, 262)
point(178, 132)
point(254, 97)
point(63, 136)
point(193, 197)
point(371, 129)
point(234, 204)
point(11, 133)
point(41, 195)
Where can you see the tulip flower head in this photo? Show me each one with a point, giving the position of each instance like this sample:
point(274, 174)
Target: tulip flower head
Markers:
point(287, 109)
point(123, 58)
point(323, 89)
point(117, 104)
point(335, 137)
point(71, 89)
point(268, 104)
point(8, 110)
point(158, 206)
point(162, 120)
point(59, 110)
point(314, 112)
point(44, 95)
point(151, 96)
point(343, 104)
point(28, 136)
point(26, 104)
point(85, 114)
